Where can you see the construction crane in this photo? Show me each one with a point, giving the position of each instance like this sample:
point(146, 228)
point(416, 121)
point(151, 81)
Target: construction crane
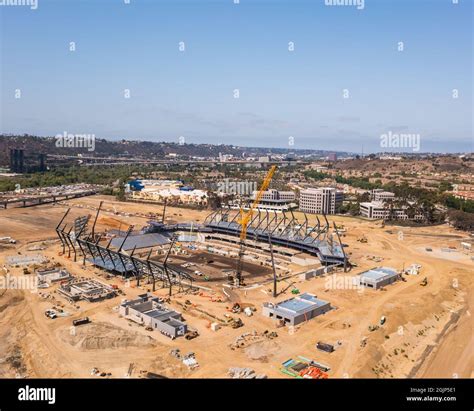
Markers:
point(245, 218)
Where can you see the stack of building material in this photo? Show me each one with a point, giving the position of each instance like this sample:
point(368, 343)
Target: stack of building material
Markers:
point(304, 368)
point(413, 269)
point(244, 373)
point(190, 361)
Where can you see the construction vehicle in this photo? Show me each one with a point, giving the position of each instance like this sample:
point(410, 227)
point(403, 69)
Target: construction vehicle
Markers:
point(81, 321)
point(236, 308)
point(236, 323)
point(191, 335)
point(245, 218)
point(233, 322)
point(50, 314)
point(325, 347)
point(7, 240)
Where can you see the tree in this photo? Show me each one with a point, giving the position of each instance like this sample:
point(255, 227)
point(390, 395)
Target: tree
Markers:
point(213, 200)
point(389, 208)
point(461, 220)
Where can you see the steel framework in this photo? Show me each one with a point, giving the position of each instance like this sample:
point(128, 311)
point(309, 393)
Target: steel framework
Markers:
point(284, 229)
point(92, 249)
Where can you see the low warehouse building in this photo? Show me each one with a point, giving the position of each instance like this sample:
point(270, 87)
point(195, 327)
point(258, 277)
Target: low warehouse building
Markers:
point(316, 272)
point(296, 310)
point(378, 277)
point(87, 289)
point(149, 311)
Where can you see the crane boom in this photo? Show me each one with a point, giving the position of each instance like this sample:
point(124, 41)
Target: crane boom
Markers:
point(246, 217)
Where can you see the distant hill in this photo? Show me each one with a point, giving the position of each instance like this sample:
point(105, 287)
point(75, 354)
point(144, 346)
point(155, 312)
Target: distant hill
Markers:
point(127, 148)
point(440, 163)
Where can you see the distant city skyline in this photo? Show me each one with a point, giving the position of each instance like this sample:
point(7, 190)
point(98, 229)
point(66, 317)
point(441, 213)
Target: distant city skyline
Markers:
point(307, 75)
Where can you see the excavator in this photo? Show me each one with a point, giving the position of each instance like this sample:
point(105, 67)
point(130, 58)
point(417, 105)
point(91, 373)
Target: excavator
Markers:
point(245, 218)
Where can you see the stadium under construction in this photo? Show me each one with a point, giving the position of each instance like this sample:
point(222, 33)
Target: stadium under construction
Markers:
point(131, 254)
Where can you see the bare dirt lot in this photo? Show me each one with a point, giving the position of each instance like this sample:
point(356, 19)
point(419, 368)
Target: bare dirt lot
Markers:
point(427, 333)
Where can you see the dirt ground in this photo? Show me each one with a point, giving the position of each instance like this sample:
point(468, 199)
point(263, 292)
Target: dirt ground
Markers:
point(216, 267)
point(427, 333)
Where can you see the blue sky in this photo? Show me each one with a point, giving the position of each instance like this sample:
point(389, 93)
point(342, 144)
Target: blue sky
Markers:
point(241, 46)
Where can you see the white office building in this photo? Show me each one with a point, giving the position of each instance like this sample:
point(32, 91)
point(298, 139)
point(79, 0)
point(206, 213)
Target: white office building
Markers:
point(381, 195)
point(324, 200)
point(380, 210)
point(276, 200)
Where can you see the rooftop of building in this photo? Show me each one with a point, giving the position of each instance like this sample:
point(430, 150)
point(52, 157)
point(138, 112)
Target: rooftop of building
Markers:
point(375, 204)
point(379, 273)
point(385, 204)
point(167, 191)
point(299, 305)
point(318, 189)
point(140, 241)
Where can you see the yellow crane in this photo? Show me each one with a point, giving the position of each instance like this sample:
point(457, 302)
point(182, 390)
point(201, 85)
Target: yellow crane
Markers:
point(246, 218)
